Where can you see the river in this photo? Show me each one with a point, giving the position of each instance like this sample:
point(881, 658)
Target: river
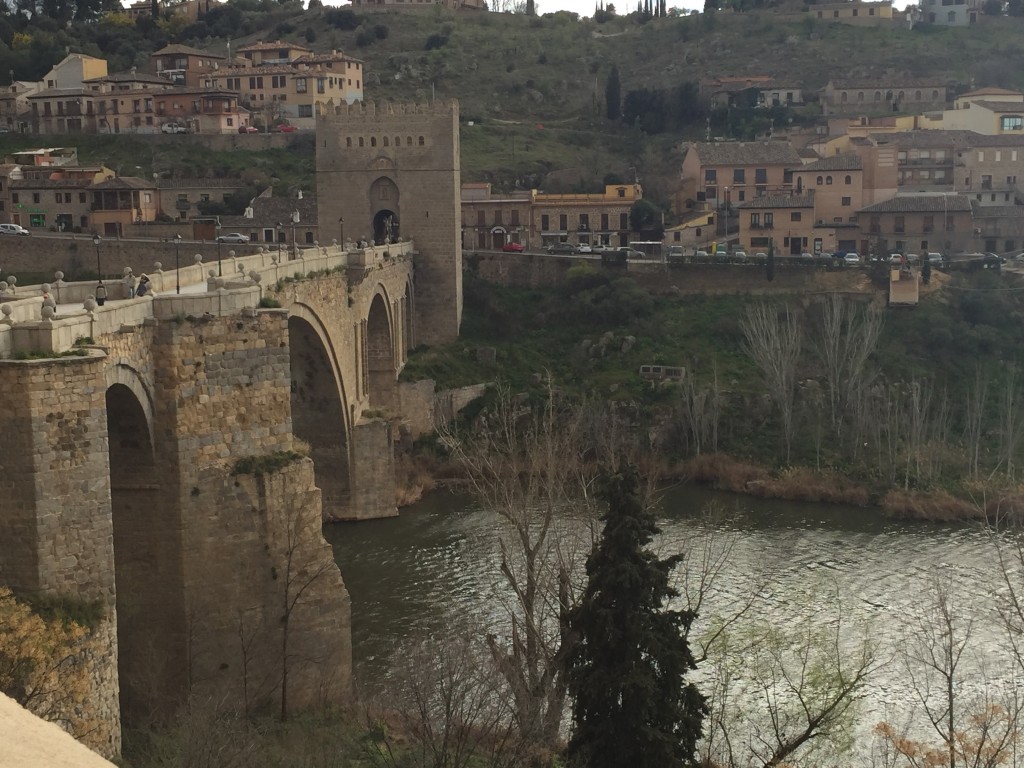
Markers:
point(407, 576)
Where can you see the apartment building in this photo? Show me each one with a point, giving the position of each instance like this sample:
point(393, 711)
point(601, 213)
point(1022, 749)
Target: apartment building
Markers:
point(120, 202)
point(918, 223)
point(988, 111)
point(184, 199)
point(200, 110)
point(14, 105)
point(489, 221)
point(785, 219)
point(276, 87)
point(949, 13)
point(857, 13)
point(990, 169)
point(838, 186)
point(182, 64)
point(733, 172)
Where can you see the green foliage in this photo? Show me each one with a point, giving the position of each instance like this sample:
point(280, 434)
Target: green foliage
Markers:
point(268, 303)
point(435, 41)
point(631, 702)
point(613, 95)
point(66, 609)
point(645, 217)
point(266, 464)
point(40, 355)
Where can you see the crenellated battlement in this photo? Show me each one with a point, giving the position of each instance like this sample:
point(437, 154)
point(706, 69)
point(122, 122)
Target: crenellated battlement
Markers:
point(371, 111)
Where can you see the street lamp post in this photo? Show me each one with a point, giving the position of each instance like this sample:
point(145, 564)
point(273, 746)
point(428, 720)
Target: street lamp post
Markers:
point(101, 291)
point(177, 269)
point(220, 268)
point(280, 237)
point(341, 225)
point(295, 245)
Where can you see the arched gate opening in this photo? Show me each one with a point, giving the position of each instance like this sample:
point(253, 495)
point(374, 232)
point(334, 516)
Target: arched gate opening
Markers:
point(380, 357)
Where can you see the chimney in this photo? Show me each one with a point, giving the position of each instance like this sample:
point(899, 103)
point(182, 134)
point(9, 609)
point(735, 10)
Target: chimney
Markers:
point(248, 212)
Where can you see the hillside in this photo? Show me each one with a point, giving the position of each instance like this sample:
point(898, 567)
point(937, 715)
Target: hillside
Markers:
point(532, 89)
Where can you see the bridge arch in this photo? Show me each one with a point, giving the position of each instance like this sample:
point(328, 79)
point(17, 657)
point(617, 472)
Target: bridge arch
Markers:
point(379, 357)
point(320, 408)
point(147, 578)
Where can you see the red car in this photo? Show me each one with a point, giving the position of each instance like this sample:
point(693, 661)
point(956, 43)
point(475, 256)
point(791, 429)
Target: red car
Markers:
point(285, 128)
point(511, 247)
point(248, 129)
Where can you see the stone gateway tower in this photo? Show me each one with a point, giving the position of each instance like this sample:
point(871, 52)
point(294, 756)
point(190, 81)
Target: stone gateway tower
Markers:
point(391, 172)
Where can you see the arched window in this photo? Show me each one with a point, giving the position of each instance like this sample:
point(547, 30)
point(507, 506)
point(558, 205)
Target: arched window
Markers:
point(408, 141)
point(903, 95)
point(360, 141)
point(421, 141)
point(398, 141)
point(935, 95)
point(348, 141)
point(848, 180)
point(385, 141)
point(373, 141)
point(888, 95)
point(820, 181)
point(828, 180)
point(860, 95)
point(917, 95)
point(878, 95)
point(842, 97)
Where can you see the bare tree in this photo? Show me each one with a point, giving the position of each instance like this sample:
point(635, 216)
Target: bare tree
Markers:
point(527, 464)
point(845, 338)
point(1011, 421)
point(779, 696)
point(773, 340)
point(977, 401)
point(449, 705)
point(977, 722)
point(701, 412)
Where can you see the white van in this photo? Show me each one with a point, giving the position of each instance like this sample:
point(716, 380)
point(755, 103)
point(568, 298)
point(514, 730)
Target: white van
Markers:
point(13, 229)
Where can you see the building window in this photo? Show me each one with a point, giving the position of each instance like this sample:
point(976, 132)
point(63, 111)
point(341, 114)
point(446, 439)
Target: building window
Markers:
point(769, 220)
point(755, 221)
point(761, 176)
point(900, 226)
point(847, 201)
point(481, 219)
point(373, 141)
point(739, 176)
point(360, 141)
point(794, 216)
point(828, 180)
point(545, 222)
point(514, 214)
point(929, 224)
point(821, 180)
point(563, 221)
point(624, 221)
point(848, 180)
point(321, 85)
point(710, 176)
point(604, 222)
point(878, 95)
point(497, 217)
point(300, 85)
point(81, 197)
point(305, 110)
point(1013, 123)
point(584, 221)
point(35, 197)
point(421, 141)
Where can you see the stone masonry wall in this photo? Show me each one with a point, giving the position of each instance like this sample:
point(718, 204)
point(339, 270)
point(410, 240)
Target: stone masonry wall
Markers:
point(415, 148)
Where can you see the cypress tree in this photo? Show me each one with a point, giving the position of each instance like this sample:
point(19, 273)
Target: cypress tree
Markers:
point(769, 269)
point(631, 705)
point(613, 95)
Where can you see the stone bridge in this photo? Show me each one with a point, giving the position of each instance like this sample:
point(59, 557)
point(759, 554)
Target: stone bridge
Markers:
point(173, 456)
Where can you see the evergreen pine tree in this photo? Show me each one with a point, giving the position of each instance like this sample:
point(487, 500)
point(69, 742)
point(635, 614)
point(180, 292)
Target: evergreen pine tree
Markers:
point(631, 705)
point(770, 266)
point(613, 95)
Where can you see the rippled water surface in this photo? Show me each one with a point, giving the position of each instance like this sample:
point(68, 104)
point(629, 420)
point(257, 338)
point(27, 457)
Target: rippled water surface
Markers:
point(408, 575)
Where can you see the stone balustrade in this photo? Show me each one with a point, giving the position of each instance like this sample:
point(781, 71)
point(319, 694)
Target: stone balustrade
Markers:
point(25, 328)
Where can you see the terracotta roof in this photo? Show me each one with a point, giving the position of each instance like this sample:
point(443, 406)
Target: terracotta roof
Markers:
point(279, 209)
point(1000, 106)
point(808, 153)
point(128, 77)
point(316, 58)
point(199, 183)
point(998, 211)
point(920, 204)
point(990, 91)
point(779, 201)
point(124, 182)
point(184, 50)
point(847, 162)
point(885, 83)
point(49, 183)
point(926, 138)
point(56, 93)
point(267, 45)
point(746, 153)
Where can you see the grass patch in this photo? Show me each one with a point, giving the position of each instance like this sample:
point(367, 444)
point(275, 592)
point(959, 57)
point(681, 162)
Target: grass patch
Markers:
point(267, 464)
point(38, 355)
point(67, 609)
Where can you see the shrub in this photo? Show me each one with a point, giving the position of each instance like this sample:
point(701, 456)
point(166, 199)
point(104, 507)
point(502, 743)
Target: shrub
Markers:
point(268, 464)
point(435, 41)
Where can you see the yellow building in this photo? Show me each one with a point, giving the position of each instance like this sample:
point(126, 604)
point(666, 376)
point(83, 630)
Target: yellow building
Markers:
point(856, 13)
point(585, 219)
point(278, 81)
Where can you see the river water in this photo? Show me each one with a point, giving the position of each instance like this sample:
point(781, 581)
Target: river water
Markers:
point(408, 576)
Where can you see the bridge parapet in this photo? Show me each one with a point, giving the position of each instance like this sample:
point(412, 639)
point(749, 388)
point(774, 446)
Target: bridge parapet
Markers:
point(25, 329)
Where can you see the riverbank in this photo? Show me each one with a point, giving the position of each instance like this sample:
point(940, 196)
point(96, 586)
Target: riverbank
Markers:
point(418, 474)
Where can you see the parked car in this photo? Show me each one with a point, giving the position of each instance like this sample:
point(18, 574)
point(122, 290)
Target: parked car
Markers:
point(285, 128)
point(851, 257)
point(13, 229)
point(740, 256)
point(563, 248)
point(912, 258)
point(675, 253)
point(512, 247)
point(935, 259)
point(248, 129)
point(233, 237)
point(700, 255)
point(173, 128)
point(584, 248)
point(807, 256)
point(630, 253)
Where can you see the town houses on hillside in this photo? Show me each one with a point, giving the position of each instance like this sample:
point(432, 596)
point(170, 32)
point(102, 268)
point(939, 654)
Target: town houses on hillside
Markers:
point(263, 86)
